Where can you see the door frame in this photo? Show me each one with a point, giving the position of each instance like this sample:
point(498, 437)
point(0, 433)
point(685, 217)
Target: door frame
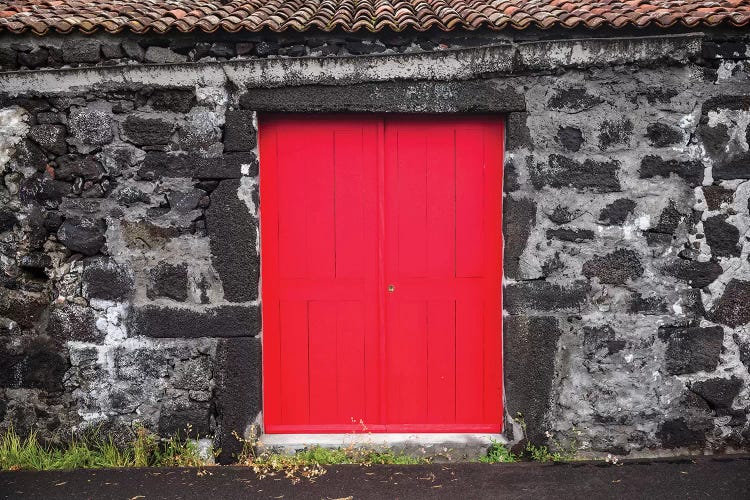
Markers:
point(264, 190)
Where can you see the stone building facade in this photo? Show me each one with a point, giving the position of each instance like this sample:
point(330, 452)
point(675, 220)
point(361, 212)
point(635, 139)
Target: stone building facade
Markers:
point(129, 215)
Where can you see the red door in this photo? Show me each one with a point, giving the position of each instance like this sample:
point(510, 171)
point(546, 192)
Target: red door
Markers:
point(381, 273)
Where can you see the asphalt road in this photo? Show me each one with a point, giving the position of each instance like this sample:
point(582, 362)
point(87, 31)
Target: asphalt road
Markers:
point(720, 478)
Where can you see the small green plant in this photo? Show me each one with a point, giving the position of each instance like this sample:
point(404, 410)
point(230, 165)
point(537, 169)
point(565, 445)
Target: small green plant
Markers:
point(497, 453)
point(94, 451)
point(144, 446)
point(542, 454)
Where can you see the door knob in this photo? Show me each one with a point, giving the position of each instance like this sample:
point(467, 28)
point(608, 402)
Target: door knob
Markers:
point(391, 288)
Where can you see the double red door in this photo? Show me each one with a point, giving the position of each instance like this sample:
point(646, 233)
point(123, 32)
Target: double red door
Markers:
point(381, 273)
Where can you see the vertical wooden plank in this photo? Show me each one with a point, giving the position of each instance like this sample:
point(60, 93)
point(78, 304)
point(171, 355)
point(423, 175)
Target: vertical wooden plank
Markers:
point(407, 359)
point(292, 193)
point(493, 158)
point(295, 394)
point(412, 196)
point(374, 157)
point(350, 340)
point(389, 210)
point(269, 227)
point(469, 361)
point(323, 359)
point(349, 192)
point(469, 201)
point(441, 194)
point(320, 181)
point(441, 362)
point(441, 211)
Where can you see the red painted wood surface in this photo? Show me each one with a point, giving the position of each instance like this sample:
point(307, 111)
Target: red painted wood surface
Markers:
point(381, 254)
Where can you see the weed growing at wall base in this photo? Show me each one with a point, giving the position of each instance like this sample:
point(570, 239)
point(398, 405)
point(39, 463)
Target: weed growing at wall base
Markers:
point(17, 453)
point(497, 453)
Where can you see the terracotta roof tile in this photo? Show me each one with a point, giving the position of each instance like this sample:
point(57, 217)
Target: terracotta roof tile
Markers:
point(43, 16)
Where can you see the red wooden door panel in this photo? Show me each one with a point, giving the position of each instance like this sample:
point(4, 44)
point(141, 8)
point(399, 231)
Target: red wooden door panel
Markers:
point(443, 272)
point(319, 249)
point(381, 274)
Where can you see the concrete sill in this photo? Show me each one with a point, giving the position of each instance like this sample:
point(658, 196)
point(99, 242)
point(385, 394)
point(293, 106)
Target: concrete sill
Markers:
point(433, 445)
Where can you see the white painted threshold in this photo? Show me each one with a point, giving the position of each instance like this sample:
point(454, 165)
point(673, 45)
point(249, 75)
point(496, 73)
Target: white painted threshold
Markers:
point(375, 440)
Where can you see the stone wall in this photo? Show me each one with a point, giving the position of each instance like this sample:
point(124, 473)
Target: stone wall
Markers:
point(130, 261)
point(626, 257)
point(129, 243)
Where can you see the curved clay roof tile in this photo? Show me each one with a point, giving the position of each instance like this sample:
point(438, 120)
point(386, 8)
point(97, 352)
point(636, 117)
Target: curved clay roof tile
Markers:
point(350, 15)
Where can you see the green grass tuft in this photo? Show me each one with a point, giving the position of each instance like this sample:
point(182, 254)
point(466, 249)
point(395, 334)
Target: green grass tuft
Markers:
point(93, 451)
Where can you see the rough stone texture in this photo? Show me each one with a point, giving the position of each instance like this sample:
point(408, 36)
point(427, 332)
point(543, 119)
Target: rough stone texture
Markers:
point(562, 171)
point(24, 308)
point(615, 133)
point(398, 96)
point(163, 55)
point(51, 138)
point(716, 196)
point(141, 130)
point(655, 166)
point(696, 274)
point(676, 434)
point(718, 392)
point(572, 235)
point(692, 349)
point(543, 296)
point(614, 268)
point(91, 127)
point(570, 138)
point(181, 417)
point(176, 100)
point(168, 280)
point(73, 322)
point(231, 226)
point(722, 236)
point(172, 322)
point(39, 365)
point(228, 166)
point(604, 337)
point(103, 278)
point(530, 348)
point(518, 218)
point(617, 212)
point(69, 167)
point(661, 135)
point(732, 308)
point(238, 392)
point(239, 131)
point(82, 234)
point(80, 51)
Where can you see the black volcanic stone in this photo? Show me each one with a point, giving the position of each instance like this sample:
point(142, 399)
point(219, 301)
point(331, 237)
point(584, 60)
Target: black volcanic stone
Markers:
point(168, 280)
point(697, 274)
point(617, 212)
point(692, 349)
point(722, 236)
point(733, 307)
point(614, 268)
point(83, 234)
point(718, 392)
point(103, 278)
